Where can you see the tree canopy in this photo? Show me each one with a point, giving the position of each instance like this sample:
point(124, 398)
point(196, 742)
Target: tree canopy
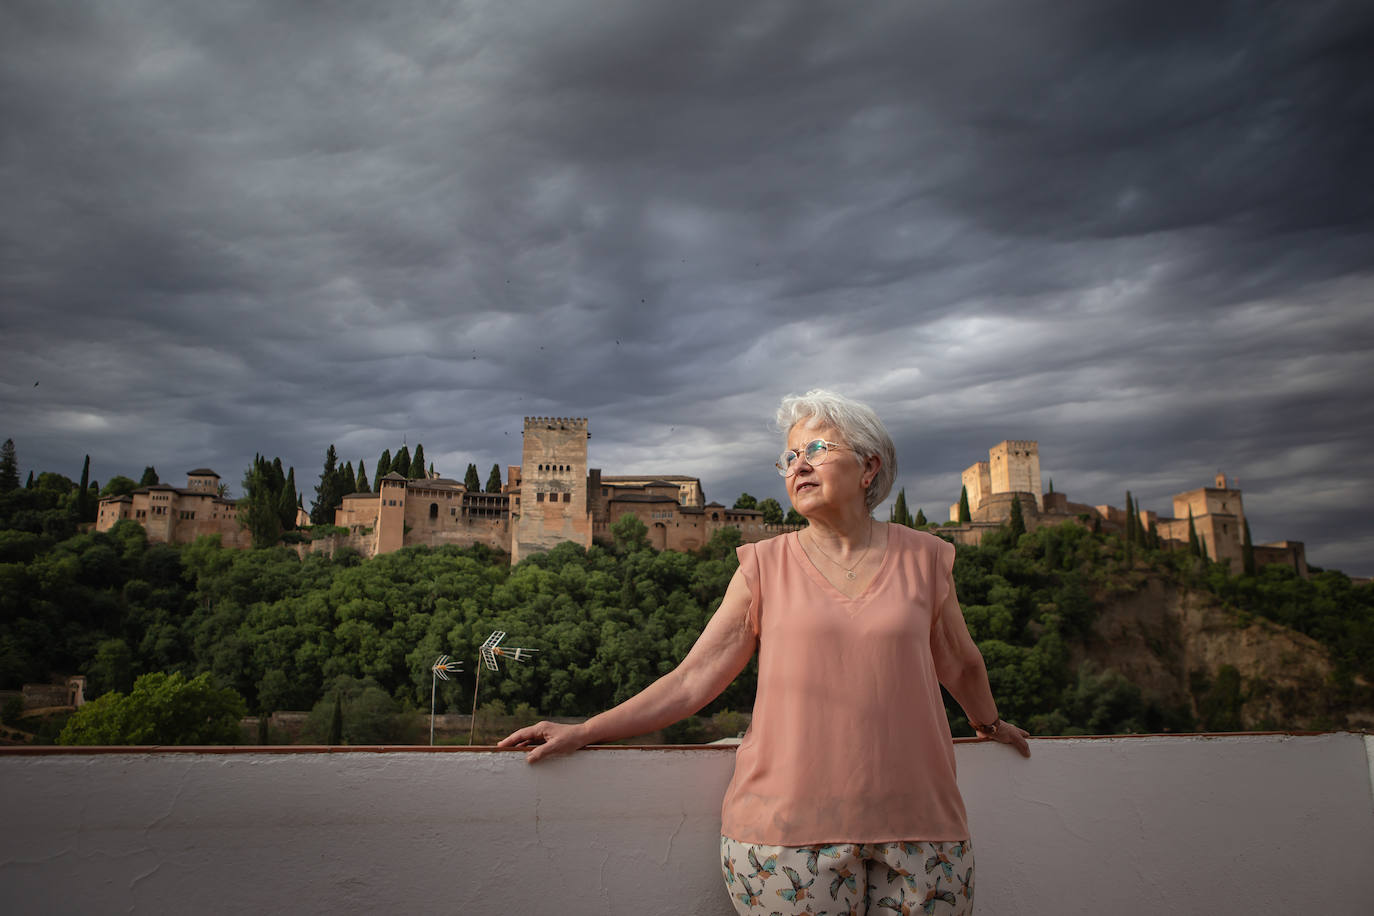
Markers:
point(161, 709)
point(772, 511)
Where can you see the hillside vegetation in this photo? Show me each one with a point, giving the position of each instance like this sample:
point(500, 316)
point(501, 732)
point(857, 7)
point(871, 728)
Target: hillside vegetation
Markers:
point(1079, 636)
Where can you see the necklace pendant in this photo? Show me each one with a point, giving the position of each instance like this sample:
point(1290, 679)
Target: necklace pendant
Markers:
point(849, 574)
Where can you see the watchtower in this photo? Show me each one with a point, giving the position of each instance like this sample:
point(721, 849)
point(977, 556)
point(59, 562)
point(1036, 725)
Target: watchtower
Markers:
point(1014, 466)
point(553, 486)
point(391, 513)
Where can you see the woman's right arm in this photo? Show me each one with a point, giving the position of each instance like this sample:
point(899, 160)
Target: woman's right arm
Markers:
point(718, 656)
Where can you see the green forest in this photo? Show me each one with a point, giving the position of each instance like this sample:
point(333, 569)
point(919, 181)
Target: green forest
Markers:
point(264, 629)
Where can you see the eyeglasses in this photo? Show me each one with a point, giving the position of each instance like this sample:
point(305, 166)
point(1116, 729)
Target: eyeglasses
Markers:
point(815, 452)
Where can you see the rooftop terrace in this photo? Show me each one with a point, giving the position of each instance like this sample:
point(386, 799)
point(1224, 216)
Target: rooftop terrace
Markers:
point(1129, 825)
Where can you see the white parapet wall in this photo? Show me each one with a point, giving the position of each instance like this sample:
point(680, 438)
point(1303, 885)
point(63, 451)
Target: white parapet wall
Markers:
point(1141, 825)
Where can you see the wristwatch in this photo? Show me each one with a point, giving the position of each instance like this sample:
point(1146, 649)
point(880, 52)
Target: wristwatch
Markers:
point(989, 730)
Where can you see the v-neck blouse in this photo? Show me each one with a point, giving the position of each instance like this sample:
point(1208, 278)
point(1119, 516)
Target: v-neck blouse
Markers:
point(849, 742)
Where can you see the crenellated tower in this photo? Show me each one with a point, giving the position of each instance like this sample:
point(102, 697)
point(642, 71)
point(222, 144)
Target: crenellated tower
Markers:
point(1014, 467)
point(553, 486)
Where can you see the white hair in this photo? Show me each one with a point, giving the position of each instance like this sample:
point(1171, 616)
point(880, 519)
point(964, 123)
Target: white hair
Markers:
point(859, 425)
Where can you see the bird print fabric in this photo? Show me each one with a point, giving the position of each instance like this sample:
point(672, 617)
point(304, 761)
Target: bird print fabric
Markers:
point(842, 879)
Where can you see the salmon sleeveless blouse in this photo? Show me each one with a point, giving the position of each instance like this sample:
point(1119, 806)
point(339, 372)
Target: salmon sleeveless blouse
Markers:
point(849, 742)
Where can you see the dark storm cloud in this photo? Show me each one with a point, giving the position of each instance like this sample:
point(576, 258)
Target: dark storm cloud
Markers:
point(1138, 233)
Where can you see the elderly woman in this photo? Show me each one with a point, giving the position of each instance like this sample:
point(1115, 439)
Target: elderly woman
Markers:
point(844, 793)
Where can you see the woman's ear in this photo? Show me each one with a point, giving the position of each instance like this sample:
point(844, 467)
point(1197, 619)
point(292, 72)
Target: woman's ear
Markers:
point(872, 464)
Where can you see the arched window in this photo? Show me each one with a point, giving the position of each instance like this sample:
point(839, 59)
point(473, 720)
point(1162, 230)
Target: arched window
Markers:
point(433, 510)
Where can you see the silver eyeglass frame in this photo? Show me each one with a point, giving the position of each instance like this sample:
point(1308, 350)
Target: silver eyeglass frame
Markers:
point(787, 467)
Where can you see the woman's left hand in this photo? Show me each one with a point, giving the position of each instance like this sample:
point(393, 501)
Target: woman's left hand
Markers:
point(1008, 733)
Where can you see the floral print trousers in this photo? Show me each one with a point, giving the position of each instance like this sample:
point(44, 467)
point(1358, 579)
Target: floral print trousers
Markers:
point(849, 878)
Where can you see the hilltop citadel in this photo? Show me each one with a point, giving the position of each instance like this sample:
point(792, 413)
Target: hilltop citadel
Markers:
point(1012, 472)
point(553, 496)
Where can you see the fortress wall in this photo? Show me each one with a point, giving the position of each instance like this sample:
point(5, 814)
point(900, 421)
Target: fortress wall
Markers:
point(997, 509)
point(1292, 554)
point(357, 512)
point(231, 533)
point(493, 532)
point(364, 544)
point(1055, 503)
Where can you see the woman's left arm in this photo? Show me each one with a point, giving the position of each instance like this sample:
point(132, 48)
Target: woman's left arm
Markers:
point(960, 667)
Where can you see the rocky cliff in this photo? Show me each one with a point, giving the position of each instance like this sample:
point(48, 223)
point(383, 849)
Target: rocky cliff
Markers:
point(1183, 648)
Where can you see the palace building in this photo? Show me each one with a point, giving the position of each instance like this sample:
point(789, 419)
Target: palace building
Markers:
point(552, 496)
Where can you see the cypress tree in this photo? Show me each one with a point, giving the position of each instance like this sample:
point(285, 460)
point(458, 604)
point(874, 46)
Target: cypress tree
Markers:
point(258, 510)
point(348, 482)
point(432, 472)
point(383, 466)
point(1051, 484)
point(1130, 519)
point(83, 494)
point(286, 502)
point(327, 491)
point(363, 485)
point(471, 480)
point(964, 514)
point(921, 518)
point(1017, 522)
point(401, 463)
point(336, 720)
point(9, 467)
point(417, 462)
point(1193, 543)
point(29, 484)
point(1247, 551)
point(900, 514)
point(1154, 535)
point(494, 479)
point(149, 478)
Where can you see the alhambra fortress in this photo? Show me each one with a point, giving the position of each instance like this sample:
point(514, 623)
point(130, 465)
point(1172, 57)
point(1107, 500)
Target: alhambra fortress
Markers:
point(553, 496)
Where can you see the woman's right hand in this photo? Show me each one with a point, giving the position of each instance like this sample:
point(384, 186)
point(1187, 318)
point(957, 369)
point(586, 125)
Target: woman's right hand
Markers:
point(548, 739)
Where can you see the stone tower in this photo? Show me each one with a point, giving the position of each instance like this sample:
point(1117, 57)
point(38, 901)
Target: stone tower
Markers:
point(553, 486)
point(978, 481)
point(391, 513)
point(1014, 466)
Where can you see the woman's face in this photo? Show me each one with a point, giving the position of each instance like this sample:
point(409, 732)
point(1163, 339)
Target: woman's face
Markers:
point(837, 482)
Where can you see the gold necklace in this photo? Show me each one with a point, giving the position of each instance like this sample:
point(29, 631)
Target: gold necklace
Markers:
point(848, 573)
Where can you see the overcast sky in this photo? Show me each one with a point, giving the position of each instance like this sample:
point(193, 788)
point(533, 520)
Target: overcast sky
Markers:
point(1140, 233)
